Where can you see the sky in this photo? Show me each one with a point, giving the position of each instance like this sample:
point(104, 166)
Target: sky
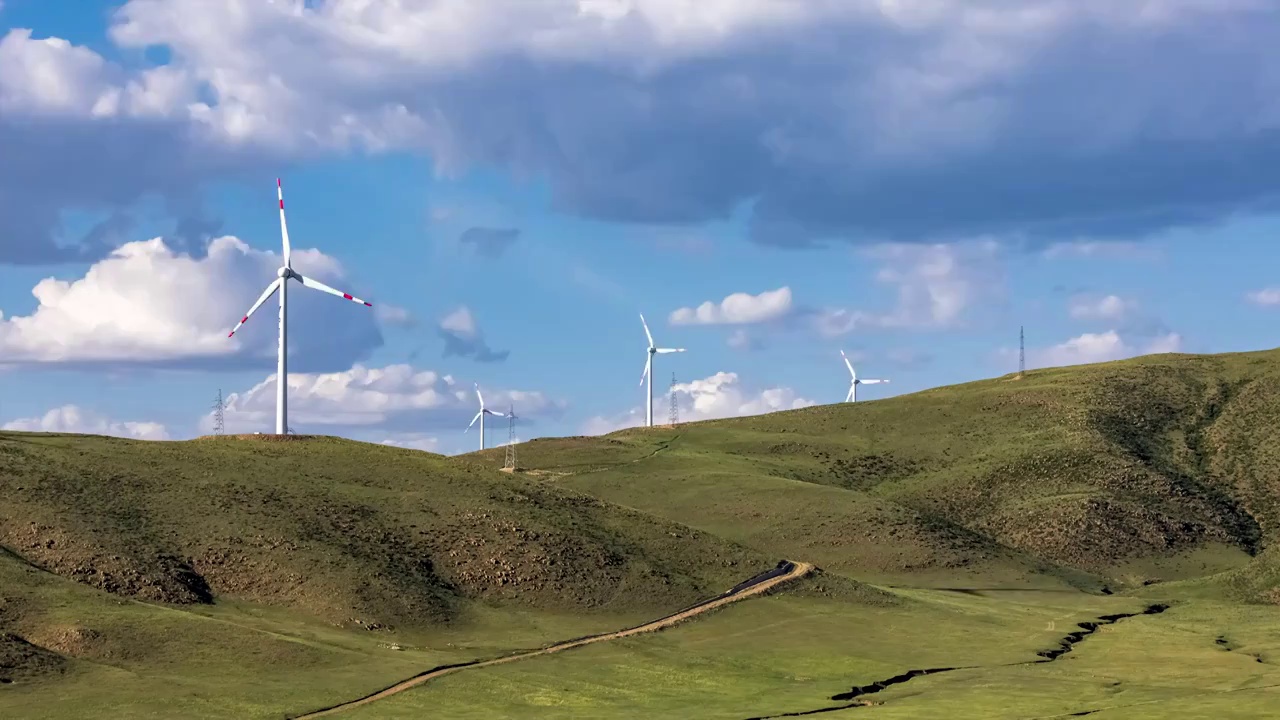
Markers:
point(511, 183)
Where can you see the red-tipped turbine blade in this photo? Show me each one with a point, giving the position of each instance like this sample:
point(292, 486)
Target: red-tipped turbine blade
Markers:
point(265, 294)
point(317, 285)
point(284, 227)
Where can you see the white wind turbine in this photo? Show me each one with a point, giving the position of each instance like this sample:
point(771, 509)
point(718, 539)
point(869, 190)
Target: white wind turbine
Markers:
point(854, 381)
point(648, 369)
point(281, 283)
point(480, 416)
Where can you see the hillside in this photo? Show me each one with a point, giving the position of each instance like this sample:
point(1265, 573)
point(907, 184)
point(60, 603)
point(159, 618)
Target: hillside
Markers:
point(354, 534)
point(1157, 468)
point(239, 578)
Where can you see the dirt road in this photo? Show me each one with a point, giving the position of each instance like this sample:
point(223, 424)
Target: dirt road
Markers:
point(785, 572)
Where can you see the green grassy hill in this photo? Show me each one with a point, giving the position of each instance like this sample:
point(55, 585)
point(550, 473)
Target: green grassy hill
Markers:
point(352, 533)
point(1157, 468)
point(229, 577)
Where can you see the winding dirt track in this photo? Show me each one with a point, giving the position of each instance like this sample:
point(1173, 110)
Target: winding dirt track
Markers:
point(796, 571)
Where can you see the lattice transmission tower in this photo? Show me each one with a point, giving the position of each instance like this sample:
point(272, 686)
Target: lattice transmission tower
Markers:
point(673, 415)
point(1022, 351)
point(219, 421)
point(510, 463)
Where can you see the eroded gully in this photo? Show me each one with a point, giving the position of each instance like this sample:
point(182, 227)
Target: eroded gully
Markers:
point(856, 696)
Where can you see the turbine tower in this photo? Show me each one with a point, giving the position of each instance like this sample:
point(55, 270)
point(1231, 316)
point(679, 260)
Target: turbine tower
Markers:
point(281, 283)
point(480, 416)
point(648, 369)
point(855, 381)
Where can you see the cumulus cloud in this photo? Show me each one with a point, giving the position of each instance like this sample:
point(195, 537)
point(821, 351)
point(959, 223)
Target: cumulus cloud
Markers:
point(1265, 296)
point(1050, 120)
point(397, 398)
point(740, 339)
point(147, 304)
point(958, 118)
point(414, 441)
point(462, 337)
point(129, 134)
point(1107, 307)
point(935, 286)
point(720, 396)
point(394, 315)
point(737, 309)
point(1100, 347)
point(489, 242)
point(73, 419)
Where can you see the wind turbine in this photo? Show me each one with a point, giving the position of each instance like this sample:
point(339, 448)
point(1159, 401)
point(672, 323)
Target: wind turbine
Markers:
point(648, 369)
point(281, 283)
point(480, 416)
point(854, 381)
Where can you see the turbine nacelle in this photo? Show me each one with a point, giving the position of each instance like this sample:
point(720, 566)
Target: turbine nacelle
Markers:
point(480, 416)
point(855, 381)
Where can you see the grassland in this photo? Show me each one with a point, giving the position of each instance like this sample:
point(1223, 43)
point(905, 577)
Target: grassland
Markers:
point(964, 527)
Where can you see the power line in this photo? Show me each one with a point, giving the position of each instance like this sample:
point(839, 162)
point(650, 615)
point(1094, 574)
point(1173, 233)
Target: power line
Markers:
point(673, 415)
point(510, 463)
point(219, 424)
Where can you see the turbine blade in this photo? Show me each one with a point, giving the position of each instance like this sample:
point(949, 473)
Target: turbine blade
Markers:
point(271, 289)
point(480, 397)
point(473, 422)
point(663, 351)
point(872, 382)
point(495, 414)
point(849, 395)
point(645, 374)
point(646, 330)
point(848, 364)
point(284, 227)
point(317, 285)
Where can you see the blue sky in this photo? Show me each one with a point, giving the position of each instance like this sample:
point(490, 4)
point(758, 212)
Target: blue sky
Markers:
point(1103, 176)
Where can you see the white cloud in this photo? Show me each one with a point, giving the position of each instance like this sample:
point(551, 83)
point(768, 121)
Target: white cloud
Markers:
point(73, 419)
point(737, 309)
point(1266, 296)
point(1099, 347)
point(718, 396)
point(740, 339)
point(1109, 307)
point(936, 285)
point(398, 398)
point(394, 315)
point(129, 134)
point(414, 441)
point(936, 122)
point(462, 336)
point(146, 303)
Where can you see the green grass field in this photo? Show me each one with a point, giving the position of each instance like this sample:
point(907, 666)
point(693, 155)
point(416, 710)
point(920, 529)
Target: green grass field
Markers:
point(966, 527)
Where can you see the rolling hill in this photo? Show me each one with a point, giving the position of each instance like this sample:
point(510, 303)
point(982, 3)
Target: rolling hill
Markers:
point(227, 577)
point(1157, 468)
point(348, 532)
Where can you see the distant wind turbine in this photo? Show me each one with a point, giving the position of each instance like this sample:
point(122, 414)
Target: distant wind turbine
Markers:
point(281, 283)
point(648, 369)
point(854, 382)
point(480, 416)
